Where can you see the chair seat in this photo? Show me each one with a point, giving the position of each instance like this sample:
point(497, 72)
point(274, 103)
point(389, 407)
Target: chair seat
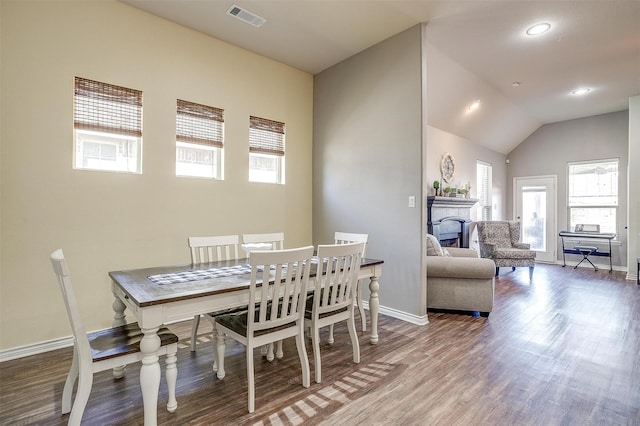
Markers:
point(308, 310)
point(226, 312)
point(238, 321)
point(586, 249)
point(118, 341)
point(513, 253)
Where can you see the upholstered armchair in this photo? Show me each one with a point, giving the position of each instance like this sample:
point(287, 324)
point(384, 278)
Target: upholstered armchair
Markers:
point(499, 241)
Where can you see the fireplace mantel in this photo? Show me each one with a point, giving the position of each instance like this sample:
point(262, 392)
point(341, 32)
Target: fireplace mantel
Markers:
point(451, 201)
point(448, 219)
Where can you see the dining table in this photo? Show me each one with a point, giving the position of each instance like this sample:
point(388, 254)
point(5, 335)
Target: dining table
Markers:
point(161, 295)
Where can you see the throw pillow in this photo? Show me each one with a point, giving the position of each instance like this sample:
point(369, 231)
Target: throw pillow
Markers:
point(433, 246)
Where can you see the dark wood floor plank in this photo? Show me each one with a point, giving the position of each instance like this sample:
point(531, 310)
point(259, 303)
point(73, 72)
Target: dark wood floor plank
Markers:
point(562, 349)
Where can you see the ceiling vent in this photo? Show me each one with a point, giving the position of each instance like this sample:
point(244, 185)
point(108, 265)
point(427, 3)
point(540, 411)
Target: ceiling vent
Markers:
point(246, 16)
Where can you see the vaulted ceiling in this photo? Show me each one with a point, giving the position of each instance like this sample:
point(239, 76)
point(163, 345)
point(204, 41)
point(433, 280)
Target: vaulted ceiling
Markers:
point(591, 43)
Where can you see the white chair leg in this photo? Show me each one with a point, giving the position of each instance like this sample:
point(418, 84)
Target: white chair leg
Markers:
point(304, 360)
point(315, 342)
point(363, 316)
point(118, 372)
point(194, 332)
point(264, 350)
point(351, 325)
point(220, 346)
point(250, 380)
point(67, 393)
point(331, 340)
point(279, 352)
point(270, 356)
point(171, 371)
point(85, 381)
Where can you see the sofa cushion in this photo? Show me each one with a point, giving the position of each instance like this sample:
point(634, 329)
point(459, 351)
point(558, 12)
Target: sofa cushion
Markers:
point(433, 246)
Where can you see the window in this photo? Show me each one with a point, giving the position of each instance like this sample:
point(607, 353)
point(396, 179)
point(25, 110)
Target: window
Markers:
point(199, 140)
point(484, 182)
point(107, 127)
point(266, 150)
point(593, 194)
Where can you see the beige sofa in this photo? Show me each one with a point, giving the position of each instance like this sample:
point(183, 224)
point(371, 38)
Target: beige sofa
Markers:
point(458, 279)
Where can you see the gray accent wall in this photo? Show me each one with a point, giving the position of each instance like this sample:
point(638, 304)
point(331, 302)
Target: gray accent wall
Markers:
point(548, 150)
point(367, 161)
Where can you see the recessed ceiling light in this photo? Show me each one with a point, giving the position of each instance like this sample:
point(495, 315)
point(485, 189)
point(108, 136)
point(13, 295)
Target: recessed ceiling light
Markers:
point(516, 84)
point(538, 29)
point(581, 91)
point(474, 106)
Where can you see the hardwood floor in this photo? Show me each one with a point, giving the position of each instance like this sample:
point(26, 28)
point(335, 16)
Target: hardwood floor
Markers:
point(563, 349)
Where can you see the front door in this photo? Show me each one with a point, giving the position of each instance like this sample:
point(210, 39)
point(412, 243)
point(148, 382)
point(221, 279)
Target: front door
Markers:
point(535, 208)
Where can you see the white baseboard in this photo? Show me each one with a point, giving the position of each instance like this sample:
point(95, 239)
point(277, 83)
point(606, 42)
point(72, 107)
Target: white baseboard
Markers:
point(632, 277)
point(35, 349)
point(401, 315)
point(601, 267)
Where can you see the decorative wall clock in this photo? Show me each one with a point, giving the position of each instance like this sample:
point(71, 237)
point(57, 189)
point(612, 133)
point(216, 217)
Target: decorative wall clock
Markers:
point(447, 167)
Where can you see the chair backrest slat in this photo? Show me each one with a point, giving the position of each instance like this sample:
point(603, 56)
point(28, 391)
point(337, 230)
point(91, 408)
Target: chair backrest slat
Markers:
point(77, 326)
point(337, 276)
point(213, 249)
point(276, 239)
point(350, 237)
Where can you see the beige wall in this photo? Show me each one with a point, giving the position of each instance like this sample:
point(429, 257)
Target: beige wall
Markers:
point(108, 221)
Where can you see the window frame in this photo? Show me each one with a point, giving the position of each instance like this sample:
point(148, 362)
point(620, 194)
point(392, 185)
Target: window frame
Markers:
point(104, 113)
point(484, 191)
point(267, 138)
point(614, 183)
point(200, 127)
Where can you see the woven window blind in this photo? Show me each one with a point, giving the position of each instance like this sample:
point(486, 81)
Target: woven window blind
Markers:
point(199, 124)
point(107, 108)
point(266, 136)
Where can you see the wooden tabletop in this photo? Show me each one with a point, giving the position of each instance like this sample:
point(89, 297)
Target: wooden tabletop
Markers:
point(143, 292)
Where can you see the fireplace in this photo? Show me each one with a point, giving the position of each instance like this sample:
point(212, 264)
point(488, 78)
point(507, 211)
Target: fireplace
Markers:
point(448, 219)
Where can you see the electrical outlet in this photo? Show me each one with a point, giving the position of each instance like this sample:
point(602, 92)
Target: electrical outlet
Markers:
point(412, 201)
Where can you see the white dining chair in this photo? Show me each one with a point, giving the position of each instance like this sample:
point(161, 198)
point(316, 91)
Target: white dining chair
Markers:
point(255, 242)
point(105, 349)
point(205, 250)
point(262, 242)
point(333, 296)
point(277, 299)
point(347, 238)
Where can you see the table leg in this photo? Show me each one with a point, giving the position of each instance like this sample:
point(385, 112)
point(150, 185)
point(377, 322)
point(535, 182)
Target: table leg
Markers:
point(374, 306)
point(150, 375)
point(172, 378)
point(119, 319)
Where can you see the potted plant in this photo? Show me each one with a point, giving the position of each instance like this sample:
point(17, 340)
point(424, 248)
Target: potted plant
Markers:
point(436, 186)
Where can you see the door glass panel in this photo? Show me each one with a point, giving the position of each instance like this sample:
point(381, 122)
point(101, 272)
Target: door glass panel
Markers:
point(534, 220)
